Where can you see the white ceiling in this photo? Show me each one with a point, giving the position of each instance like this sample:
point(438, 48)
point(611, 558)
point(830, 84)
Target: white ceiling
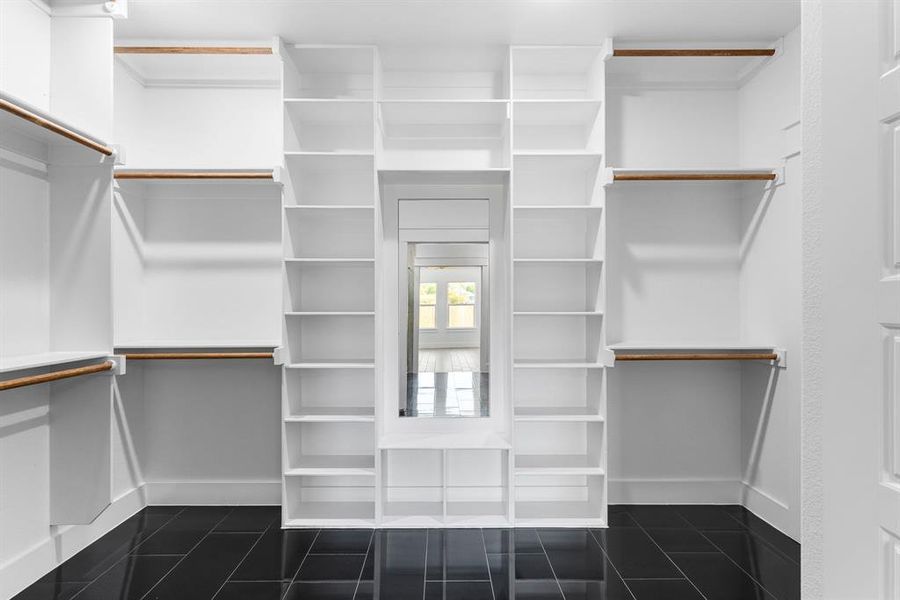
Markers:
point(459, 21)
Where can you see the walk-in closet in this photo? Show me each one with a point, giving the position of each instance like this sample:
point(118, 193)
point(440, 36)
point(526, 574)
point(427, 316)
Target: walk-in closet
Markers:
point(448, 300)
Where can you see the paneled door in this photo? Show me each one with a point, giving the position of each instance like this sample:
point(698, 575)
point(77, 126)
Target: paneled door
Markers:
point(889, 301)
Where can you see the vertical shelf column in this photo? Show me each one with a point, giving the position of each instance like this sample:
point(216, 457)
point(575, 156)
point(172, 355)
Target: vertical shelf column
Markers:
point(330, 228)
point(559, 288)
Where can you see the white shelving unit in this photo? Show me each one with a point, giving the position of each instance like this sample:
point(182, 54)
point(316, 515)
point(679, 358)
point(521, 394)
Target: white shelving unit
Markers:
point(559, 237)
point(329, 216)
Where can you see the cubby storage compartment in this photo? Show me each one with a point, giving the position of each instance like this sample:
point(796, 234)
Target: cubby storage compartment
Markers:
point(328, 125)
point(322, 448)
point(557, 339)
point(444, 73)
point(330, 395)
point(332, 339)
point(329, 179)
point(559, 394)
point(558, 287)
point(444, 135)
point(197, 263)
point(557, 234)
point(557, 72)
point(413, 487)
point(330, 233)
point(559, 448)
point(162, 115)
point(328, 71)
point(477, 487)
point(329, 501)
point(330, 287)
point(558, 126)
point(561, 500)
point(557, 180)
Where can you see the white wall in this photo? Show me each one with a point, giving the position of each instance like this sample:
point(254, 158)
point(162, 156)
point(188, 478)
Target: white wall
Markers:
point(25, 52)
point(770, 291)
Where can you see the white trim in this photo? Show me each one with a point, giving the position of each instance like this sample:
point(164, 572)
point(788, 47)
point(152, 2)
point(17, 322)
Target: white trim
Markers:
point(65, 542)
point(771, 510)
point(213, 492)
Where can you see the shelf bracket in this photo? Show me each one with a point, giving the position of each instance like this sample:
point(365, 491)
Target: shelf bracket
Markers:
point(119, 364)
point(608, 48)
point(607, 358)
point(278, 355)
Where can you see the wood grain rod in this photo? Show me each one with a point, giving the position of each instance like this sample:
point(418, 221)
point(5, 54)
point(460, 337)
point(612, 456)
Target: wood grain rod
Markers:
point(699, 356)
point(55, 376)
point(194, 175)
point(195, 355)
point(54, 127)
point(698, 176)
point(192, 50)
point(691, 52)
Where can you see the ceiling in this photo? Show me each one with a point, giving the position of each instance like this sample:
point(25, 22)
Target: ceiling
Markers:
point(451, 22)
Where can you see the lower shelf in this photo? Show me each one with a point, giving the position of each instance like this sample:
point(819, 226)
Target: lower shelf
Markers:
point(413, 514)
point(560, 514)
point(332, 514)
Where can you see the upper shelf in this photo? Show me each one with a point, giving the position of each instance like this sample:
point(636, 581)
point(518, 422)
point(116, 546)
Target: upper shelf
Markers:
point(47, 359)
point(693, 351)
point(664, 65)
point(443, 118)
point(20, 117)
point(264, 175)
point(160, 65)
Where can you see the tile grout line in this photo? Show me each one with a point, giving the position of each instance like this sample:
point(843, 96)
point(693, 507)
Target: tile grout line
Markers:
point(488, 562)
point(240, 562)
point(126, 555)
point(611, 563)
point(552, 570)
point(743, 570)
point(365, 558)
point(425, 570)
point(669, 558)
point(300, 566)
point(759, 537)
point(188, 553)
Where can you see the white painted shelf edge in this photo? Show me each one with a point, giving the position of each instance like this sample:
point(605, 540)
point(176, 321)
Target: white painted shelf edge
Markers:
point(48, 359)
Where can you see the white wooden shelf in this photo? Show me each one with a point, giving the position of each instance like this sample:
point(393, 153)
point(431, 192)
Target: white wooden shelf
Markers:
point(332, 514)
point(19, 117)
point(555, 364)
point(332, 465)
point(557, 207)
point(444, 441)
point(689, 346)
point(586, 261)
point(476, 514)
point(336, 414)
point(413, 514)
point(562, 464)
point(557, 414)
point(315, 207)
point(249, 66)
point(564, 514)
point(336, 313)
point(329, 260)
point(558, 313)
point(196, 344)
point(331, 364)
point(47, 359)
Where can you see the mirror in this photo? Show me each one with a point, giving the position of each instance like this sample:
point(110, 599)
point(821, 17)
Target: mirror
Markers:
point(447, 331)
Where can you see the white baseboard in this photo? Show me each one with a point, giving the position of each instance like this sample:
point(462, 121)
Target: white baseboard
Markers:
point(674, 491)
point(213, 492)
point(65, 542)
point(771, 510)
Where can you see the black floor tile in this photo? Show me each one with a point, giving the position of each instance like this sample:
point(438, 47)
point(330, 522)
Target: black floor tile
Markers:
point(183, 532)
point(681, 540)
point(656, 516)
point(527, 566)
point(635, 555)
point(508, 588)
point(317, 590)
point(778, 575)
point(366, 591)
point(588, 563)
point(621, 519)
point(400, 556)
point(664, 589)
point(611, 589)
point(784, 544)
point(205, 569)
point(88, 564)
point(456, 555)
point(250, 519)
point(718, 578)
point(130, 578)
point(458, 590)
point(252, 590)
point(50, 590)
point(331, 567)
point(566, 539)
point(501, 541)
point(342, 541)
point(712, 518)
point(277, 555)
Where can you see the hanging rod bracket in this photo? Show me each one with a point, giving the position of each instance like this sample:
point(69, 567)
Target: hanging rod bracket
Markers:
point(119, 364)
point(278, 355)
point(118, 154)
point(781, 362)
point(607, 358)
point(608, 48)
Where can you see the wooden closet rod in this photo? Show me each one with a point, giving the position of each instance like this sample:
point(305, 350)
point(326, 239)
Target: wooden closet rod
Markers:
point(267, 175)
point(54, 127)
point(55, 376)
point(700, 356)
point(692, 52)
point(698, 176)
point(192, 50)
point(196, 355)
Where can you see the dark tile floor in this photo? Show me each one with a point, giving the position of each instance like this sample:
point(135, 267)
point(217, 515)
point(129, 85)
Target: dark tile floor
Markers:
point(648, 552)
